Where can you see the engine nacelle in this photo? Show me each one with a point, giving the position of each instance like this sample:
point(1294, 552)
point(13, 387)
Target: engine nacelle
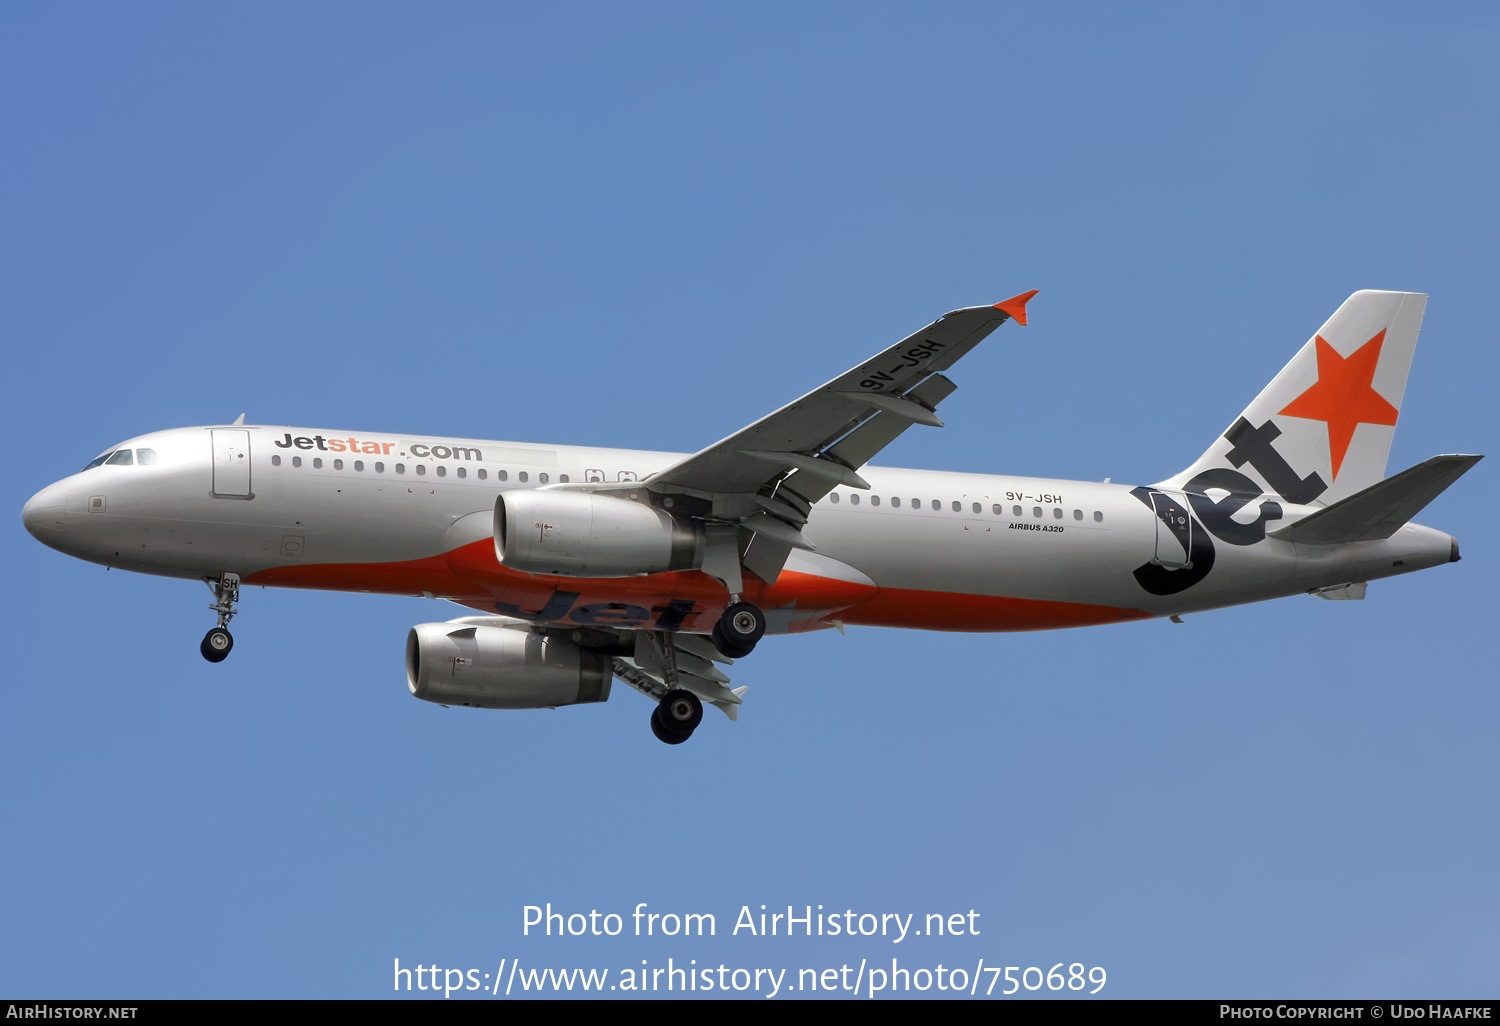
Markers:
point(497, 668)
point(580, 534)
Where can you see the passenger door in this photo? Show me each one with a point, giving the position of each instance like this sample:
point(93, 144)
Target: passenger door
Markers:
point(232, 464)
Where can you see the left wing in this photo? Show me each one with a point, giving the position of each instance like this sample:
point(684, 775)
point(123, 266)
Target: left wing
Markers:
point(755, 489)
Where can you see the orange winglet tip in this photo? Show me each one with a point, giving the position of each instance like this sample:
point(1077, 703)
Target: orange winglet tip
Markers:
point(1016, 306)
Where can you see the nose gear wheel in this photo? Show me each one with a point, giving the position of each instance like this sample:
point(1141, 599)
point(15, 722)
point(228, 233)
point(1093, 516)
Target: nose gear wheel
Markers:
point(216, 645)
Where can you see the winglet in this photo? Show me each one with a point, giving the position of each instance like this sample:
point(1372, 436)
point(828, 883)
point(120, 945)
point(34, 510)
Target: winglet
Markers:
point(1016, 306)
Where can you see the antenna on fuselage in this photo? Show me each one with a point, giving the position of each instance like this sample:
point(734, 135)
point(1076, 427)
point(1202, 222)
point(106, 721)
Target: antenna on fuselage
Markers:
point(240, 419)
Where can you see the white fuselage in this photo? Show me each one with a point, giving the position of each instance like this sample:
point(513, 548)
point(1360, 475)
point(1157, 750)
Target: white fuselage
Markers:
point(413, 515)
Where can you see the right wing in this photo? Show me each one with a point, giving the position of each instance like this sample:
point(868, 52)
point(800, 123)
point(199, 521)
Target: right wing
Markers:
point(755, 489)
point(751, 458)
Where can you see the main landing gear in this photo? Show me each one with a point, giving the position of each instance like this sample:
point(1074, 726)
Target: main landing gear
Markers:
point(655, 673)
point(738, 630)
point(217, 642)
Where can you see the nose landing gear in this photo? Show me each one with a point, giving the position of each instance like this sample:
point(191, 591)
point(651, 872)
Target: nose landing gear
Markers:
point(218, 641)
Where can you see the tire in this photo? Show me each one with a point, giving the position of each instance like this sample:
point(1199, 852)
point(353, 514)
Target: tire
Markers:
point(738, 630)
point(680, 712)
point(663, 733)
point(216, 645)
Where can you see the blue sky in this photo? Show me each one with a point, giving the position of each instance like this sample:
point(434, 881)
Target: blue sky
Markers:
point(647, 226)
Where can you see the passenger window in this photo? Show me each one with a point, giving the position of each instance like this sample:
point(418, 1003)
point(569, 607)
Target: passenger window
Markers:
point(957, 506)
point(1037, 511)
point(123, 458)
point(296, 461)
point(563, 478)
point(442, 471)
point(522, 475)
point(937, 504)
point(854, 498)
point(462, 472)
point(1078, 514)
point(317, 463)
point(1015, 511)
point(592, 476)
point(1056, 513)
point(896, 501)
point(359, 464)
point(380, 468)
point(996, 509)
point(503, 475)
point(1098, 517)
point(978, 508)
point(338, 464)
point(400, 467)
point(421, 470)
point(833, 497)
point(874, 500)
point(483, 473)
point(145, 457)
point(542, 478)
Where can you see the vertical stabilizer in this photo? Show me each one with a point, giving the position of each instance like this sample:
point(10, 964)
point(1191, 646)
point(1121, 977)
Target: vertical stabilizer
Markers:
point(1322, 429)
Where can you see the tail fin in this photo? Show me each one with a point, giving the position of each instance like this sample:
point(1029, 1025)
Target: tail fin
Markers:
point(1322, 429)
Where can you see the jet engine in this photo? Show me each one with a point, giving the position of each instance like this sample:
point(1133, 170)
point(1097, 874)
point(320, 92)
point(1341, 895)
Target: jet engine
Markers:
point(580, 534)
point(499, 668)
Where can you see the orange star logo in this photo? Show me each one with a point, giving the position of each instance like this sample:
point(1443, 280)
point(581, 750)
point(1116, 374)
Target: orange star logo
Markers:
point(1343, 397)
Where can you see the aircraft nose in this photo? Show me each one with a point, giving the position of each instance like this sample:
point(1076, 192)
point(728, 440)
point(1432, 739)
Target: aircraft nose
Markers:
point(44, 512)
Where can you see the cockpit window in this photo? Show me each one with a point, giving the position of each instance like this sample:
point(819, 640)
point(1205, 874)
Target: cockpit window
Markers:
point(98, 461)
point(145, 457)
point(123, 458)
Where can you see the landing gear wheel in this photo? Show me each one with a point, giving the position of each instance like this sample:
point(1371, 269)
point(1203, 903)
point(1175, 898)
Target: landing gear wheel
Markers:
point(216, 645)
point(681, 711)
point(738, 630)
point(662, 734)
point(676, 716)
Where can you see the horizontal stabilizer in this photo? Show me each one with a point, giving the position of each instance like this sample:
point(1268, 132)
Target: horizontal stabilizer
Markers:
point(1379, 511)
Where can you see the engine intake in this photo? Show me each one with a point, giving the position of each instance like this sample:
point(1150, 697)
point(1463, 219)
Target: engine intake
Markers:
point(498, 668)
point(580, 534)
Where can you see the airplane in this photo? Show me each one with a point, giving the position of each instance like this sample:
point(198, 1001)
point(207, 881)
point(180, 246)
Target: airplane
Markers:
point(587, 565)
